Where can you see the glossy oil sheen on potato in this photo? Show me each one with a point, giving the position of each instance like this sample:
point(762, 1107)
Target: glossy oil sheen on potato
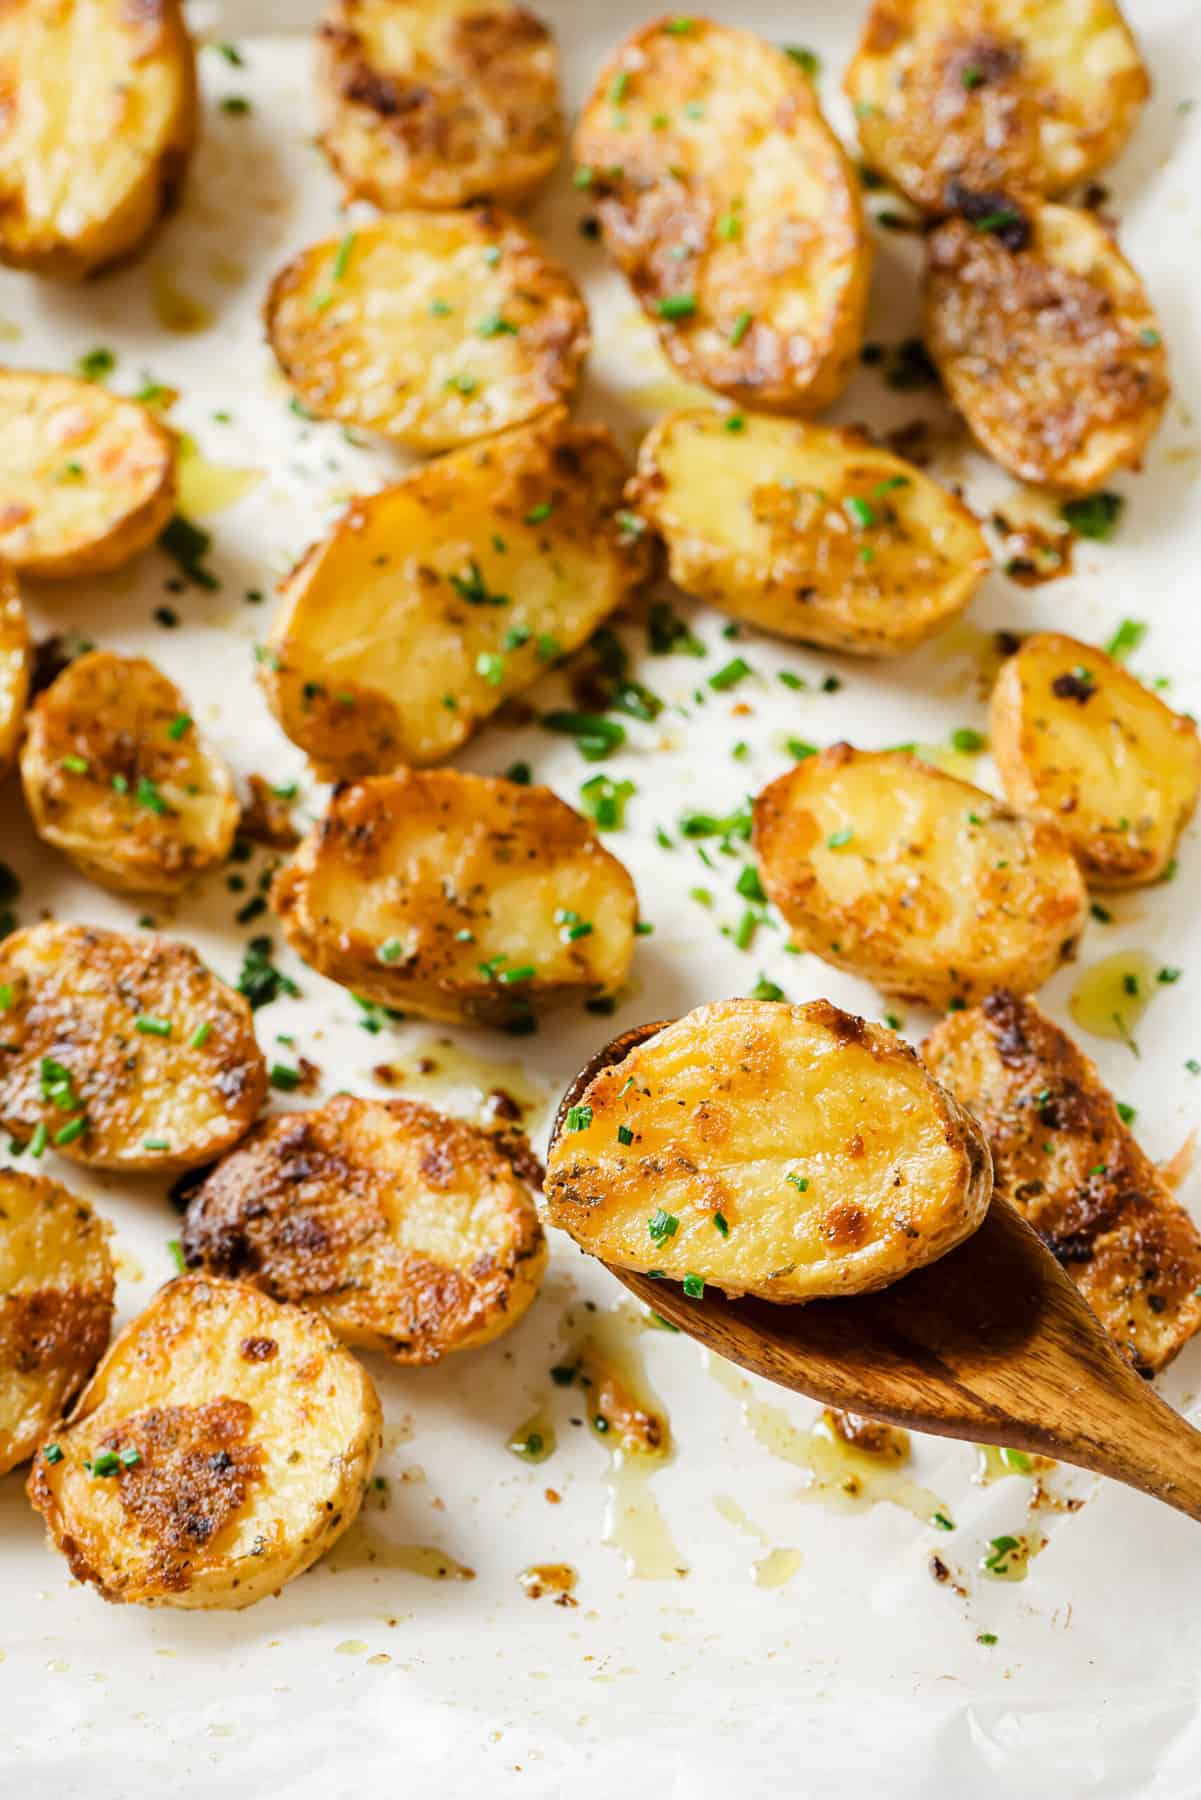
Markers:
point(458, 897)
point(727, 202)
point(794, 1152)
point(16, 662)
point(808, 532)
point(921, 883)
point(1079, 740)
point(249, 1435)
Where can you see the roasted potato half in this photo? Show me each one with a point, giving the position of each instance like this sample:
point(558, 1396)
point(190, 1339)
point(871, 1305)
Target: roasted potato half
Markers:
point(1064, 1158)
point(410, 1232)
point(99, 118)
point(118, 777)
point(1030, 96)
point(56, 1307)
point(921, 883)
point(1078, 740)
point(222, 1445)
point(726, 200)
point(432, 601)
point(434, 328)
point(122, 1052)
point(16, 668)
point(89, 478)
point(458, 897)
point(808, 532)
point(1045, 340)
point(793, 1152)
point(439, 102)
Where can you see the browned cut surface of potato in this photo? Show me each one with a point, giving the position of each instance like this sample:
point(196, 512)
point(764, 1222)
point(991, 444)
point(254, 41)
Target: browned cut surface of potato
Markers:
point(122, 1052)
point(808, 532)
point(1064, 1158)
point(16, 664)
point(439, 102)
point(99, 118)
point(434, 328)
point(921, 883)
point(1031, 96)
point(726, 200)
point(458, 897)
point(224, 1443)
point(56, 1307)
point(88, 478)
point(118, 777)
point(410, 1232)
point(1079, 740)
point(1045, 340)
point(794, 1152)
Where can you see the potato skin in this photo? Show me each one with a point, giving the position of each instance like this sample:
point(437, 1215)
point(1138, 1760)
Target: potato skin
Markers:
point(746, 204)
point(401, 865)
point(251, 1435)
point(56, 1306)
point(761, 523)
point(101, 118)
point(1062, 1155)
point(1025, 96)
point(120, 716)
point(16, 667)
point(921, 883)
point(76, 994)
point(725, 1106)
point(1078, 740)
point(89, 477)
point(410, 1232)
point(1051, 352)
point(434, 103)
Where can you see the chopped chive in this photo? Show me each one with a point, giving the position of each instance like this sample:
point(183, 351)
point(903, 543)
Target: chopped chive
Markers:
point(149, 1026)
point(1094, 516)
point(799, 1182)
point(37, 1142)
point(75, 765)
point(838, 840)
point(178, 726)
point(624, 1135)
point(106, 1462)
point(156, 1143)
point(676, 306)
point(693, 1286)
point(721, 1224)
point(941, 1520)
point(967, 740)
point(74, 1128)
point(390, 951)
point(579, 1118)
point(742, 325)
point(749, 884)
point(146, 794)
point(1126, 639)
point(859, 511)
point(537, 513)
point(493, 325)
point(730, 675)
point(662, 1225)
point(53, 1453)
point(285, 1078)
point(509, 977)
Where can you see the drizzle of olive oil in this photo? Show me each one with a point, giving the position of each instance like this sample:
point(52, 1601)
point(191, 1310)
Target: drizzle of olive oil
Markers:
point(174, 308)
point(996, 1464)
point(362, 1547)
point(777, 1568)
point(443, 1068)
point(205, 487)
point(1013, 1563)
point(1112, 995)
point(535, 1440)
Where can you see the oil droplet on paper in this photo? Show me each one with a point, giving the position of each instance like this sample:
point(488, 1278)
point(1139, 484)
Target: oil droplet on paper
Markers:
point(350, 1647)
point(960, 763)
point(558, 1579)
point(535, 1440)
point(224, 1731)
point(1112, 995)
point(1008, 1557)
point(127, 1266)
point(362, 1547)
point(440, 1067)
point(776, 1569)
point(205, 487)
point(995, 1464)
point(176, 309)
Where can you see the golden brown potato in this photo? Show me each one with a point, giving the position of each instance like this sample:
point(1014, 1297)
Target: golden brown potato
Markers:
point(726, 200)
point(56, 1307)
point(793, 1152)
point(1064, 1158)
point(224, 1442)
point(432, 601)
point(808, 532)
point(410, 1232)
point(434, 328)
point(89, 479)
point(99, 118)
point(921, 883)
point(16, 665)
point(1027, 96)
point(1045, 340)
point(458, 897)
point(439, 102)
point(1078, 740)
point(118, 777)
point(122, 1052)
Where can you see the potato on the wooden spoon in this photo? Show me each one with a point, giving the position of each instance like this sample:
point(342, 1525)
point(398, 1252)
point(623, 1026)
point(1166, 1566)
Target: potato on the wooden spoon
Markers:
point(16, 667)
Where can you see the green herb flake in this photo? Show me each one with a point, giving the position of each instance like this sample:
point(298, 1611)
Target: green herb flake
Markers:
point(838, 840)
point(152, 1027)
point(968, 741)
point(721, 1224)
point(676, 306)
point(730, 675)
point(94, 365)
point(694, 1287)
point(579, 1118)
point(1094, 516)
point(1126, 639)
point(742, 325)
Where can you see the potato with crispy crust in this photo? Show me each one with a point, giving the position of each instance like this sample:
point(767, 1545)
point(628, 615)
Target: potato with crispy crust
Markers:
point(223, 1444)
point(808, 532)
point(118, 777)
point(433, 328)
point(99, 120)
point(56, 1306)
point(439, 102)
point(410, 1232)
point(1064, 1158)
point(458, 897)
point(729, 205)
point(1030, 96)
point(433, 601)
point(89, 478)
point(16, 668)
point(1078, 740)
point(793, 1152)
point(1045, 340)
point(921, 883)
point(123, 1052)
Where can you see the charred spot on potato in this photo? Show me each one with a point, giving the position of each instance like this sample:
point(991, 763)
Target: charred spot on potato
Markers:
point(185, 1473)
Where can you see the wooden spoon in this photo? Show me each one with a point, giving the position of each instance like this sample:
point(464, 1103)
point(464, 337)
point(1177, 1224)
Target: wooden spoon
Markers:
point(992, 1343)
